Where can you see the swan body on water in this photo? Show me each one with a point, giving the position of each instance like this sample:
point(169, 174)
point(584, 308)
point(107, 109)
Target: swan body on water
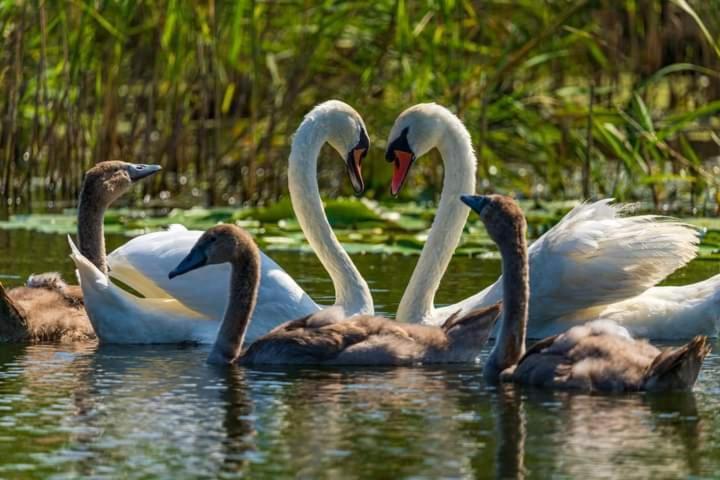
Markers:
point(121, 317)
point(45, 310)
point(155, 254)
point(596, 356)
point(145, 261)
point(594, 257)
point(327, 337)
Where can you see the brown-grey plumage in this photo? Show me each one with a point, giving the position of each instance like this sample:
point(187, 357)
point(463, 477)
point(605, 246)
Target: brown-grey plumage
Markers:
point(42, 314)
point(506, 226)
point(601, 359)
point(325, 337)
point(597, 356)
point(52, 281)
point(47, 309)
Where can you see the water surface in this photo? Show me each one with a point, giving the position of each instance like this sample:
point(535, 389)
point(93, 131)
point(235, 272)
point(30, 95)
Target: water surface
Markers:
point(142, 412)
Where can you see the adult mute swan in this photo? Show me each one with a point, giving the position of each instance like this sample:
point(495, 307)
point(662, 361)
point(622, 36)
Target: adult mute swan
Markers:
point(593, 257)
point(145, 261)
point(47, 309)
point(325, 337)
point(597, 356)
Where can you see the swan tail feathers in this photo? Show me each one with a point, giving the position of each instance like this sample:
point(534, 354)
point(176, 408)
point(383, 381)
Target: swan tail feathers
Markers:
point(678, 368)
point(13, 322)
point(86, 271)
point(473, 327)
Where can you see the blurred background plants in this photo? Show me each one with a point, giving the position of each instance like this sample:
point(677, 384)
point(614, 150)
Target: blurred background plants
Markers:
point(564, 99)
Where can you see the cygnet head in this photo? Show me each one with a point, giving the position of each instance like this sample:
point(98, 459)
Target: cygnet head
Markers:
point(220, 244)
point(107, 181)
point(346, 133)
point(502, 216)
point(416, 131)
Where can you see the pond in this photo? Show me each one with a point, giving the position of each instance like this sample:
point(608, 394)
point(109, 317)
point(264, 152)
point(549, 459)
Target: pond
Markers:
point(139, 412)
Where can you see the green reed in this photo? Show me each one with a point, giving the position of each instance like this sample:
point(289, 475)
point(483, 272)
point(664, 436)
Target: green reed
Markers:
point(563, 98)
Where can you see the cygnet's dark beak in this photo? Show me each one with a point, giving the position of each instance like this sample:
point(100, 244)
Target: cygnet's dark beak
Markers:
point(139, 171)
point(194, 260)
point(476, 202)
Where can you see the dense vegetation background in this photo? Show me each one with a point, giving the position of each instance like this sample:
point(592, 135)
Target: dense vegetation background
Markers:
point(564, 99)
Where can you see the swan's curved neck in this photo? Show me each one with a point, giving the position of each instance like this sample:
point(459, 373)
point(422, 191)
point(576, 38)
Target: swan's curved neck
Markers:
point(510, 343)
point(244, 279)
point(455, 148)
point(351, 290)
point(91, 237)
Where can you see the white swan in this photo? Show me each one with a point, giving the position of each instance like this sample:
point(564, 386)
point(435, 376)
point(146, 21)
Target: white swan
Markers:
point(593, 257)
point(145, 261)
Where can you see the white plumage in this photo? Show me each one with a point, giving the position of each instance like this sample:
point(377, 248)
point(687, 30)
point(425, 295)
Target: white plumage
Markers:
point(595, 257)
point(662, 313)
point(119, 317)
point(144, 262)
point(579, 270)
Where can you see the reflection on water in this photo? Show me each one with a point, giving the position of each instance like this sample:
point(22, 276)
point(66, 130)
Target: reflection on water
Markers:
point(139, 412)
point(151, 411)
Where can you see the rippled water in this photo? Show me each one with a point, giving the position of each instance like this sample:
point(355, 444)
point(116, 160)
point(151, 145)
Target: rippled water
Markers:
point(141, 412)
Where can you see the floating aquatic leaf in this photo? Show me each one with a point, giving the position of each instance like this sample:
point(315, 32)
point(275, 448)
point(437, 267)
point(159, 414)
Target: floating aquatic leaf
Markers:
point(377, 228)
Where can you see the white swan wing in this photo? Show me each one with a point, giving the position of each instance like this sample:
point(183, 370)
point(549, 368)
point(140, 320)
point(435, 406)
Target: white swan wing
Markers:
point(119, 317)
point(595, 256)
point(146, 260)
point(659, 313)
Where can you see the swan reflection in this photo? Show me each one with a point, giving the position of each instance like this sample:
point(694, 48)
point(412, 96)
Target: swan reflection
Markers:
point(162, 411)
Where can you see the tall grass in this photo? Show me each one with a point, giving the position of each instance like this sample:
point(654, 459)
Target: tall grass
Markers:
point(563, 98)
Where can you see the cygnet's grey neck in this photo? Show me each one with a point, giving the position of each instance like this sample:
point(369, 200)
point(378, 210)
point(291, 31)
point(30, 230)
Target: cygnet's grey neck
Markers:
point(510, 342)
point(91, 237)
point(244, 278)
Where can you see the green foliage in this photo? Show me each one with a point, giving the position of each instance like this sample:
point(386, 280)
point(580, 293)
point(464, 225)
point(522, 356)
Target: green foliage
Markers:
point(563, 98)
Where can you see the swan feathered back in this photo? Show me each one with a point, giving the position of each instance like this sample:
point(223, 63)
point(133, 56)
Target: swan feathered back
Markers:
point(145, 261)
point(118, 315)
point(661, 313)
point(53, 281)
point(602, 356)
